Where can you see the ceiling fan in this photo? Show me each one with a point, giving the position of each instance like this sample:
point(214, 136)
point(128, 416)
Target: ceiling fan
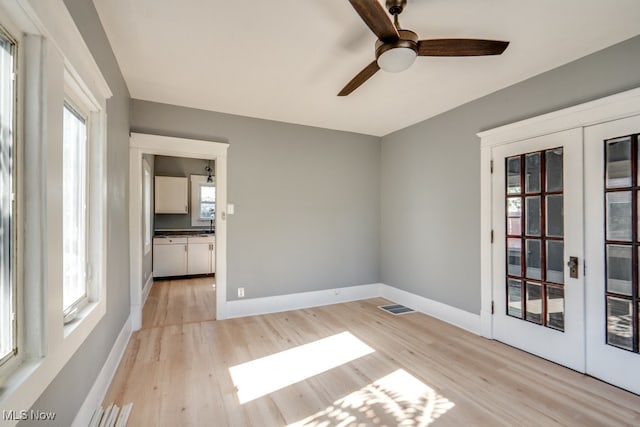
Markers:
point(397, 48)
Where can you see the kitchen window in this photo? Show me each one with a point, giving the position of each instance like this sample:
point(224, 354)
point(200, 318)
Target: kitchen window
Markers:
point(203, 201)
point(8, 345)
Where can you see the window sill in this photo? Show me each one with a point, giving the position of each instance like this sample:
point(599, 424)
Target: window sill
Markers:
point(23, 386)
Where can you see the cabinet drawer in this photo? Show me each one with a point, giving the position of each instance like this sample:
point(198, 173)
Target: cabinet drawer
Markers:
point(169, 240)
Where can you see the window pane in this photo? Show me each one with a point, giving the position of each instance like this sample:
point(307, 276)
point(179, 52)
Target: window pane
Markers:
point(555, 307)
point(513, 175)
point(514, 216)
point(534, 302)
point(555, 218)
point(514, 305)
point(7, 105)
point(534, 259)
point(619, 216)
point(207, 193)
point(532, 173)
point(619, 326)
point(74, 227)
point(619, 268)
point(619, 163)
point(207, 210)
point(554, 169)
point(514, 248)
point(555, 264)
point(532, 219)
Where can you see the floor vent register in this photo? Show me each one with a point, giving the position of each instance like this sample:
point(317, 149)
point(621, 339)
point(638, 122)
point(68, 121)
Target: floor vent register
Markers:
point(396, 309)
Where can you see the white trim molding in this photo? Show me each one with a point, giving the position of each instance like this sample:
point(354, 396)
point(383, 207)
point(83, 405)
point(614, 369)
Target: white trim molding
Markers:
point(614, 107)
point(147, 289)
point(297, 301)
point(455, 316)
point(140, 144)
point(103, 381)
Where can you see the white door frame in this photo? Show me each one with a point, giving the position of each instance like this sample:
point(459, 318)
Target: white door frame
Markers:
point(621, 105)
point(140, 144)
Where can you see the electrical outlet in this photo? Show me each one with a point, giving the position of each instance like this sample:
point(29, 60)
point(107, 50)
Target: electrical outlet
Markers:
point(240, 292)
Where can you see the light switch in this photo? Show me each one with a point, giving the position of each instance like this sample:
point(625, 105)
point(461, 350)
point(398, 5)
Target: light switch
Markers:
point(230, 208)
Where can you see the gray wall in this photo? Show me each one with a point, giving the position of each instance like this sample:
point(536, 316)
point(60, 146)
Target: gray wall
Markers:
point(307, 200)
point(430, 235)
point(179, 166)
point(147, 260)
point(69, 389)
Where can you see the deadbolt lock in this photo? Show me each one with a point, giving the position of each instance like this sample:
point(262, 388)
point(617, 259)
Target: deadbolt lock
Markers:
point(573, 267)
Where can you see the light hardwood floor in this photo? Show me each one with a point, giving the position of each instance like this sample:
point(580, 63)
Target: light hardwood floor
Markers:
point(409, 370)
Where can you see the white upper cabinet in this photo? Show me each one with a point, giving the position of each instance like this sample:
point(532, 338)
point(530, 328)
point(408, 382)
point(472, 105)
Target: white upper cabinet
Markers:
point(171, 195)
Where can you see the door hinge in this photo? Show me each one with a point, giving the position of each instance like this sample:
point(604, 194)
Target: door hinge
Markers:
point(491, 236)
point(491, 166)
point(493, 309)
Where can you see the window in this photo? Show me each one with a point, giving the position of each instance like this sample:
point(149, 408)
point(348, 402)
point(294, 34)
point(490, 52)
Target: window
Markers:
point(203, 201)
point(74, 190)
point(207, 202)
point(7, 137)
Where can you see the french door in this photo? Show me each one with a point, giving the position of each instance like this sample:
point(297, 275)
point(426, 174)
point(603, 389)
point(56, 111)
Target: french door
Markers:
point(566, 251)
point(537, 225)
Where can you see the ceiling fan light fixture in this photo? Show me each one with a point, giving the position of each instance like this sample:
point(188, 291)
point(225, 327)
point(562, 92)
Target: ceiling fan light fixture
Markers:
point(397, 59)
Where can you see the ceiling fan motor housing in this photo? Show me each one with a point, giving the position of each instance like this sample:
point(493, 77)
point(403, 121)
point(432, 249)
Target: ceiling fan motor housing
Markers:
point(395, 7)
point(408, 39)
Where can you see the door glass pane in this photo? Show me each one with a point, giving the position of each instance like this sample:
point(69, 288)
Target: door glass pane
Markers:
point(554, 217)
point(554, 169)
point(515, 299)
point(534, 302)
point(619, 326)
point(514, 248)
point(555, 307)
point(618, 163)
point(532, 219)
point(514, 216)
point(619, 267)
point(534, 259)
point(532, 173)
point(619, 216)
point(513, 175)
point(555, 264)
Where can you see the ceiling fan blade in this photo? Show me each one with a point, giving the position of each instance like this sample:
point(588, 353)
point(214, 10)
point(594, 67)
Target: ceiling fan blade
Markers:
point(376, 18)
point(461, 47)
point(360, 78)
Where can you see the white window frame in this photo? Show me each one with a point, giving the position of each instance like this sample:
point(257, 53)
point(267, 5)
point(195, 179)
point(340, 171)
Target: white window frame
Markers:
point(7, 362)
point(147, 213)
point(74, 103)
point(198, 181)
point(54, 63)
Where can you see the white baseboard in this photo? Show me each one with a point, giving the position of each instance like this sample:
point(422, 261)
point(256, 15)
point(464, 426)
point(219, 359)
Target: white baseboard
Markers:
point(275, 304)
point(103, 381)
point(446, 313)
point(146, 289)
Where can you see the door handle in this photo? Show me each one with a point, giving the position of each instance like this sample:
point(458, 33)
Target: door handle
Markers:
point(573, 267)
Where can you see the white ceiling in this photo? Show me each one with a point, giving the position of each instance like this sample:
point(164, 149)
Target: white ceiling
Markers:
point(286, 60)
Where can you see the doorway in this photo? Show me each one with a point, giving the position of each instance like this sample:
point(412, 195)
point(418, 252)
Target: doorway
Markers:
point(143, 144)
point(561, 274)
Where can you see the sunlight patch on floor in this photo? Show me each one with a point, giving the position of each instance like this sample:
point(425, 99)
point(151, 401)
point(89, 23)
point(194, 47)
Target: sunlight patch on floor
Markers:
point(396, 399)
point(262, 376)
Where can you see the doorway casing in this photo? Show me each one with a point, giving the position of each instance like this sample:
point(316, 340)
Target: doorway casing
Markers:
point(140, 144)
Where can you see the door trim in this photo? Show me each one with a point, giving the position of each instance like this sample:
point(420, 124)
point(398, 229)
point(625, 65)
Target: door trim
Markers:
point(618, 106)
point(140, 144)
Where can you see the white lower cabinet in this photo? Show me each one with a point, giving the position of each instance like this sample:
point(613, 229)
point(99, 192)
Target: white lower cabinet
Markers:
point(181, 256)
point(169, 256)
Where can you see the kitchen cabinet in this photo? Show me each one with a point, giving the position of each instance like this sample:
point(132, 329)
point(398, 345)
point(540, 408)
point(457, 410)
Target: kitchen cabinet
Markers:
point(169, 256)
point(171, 195)
point(201, 255)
